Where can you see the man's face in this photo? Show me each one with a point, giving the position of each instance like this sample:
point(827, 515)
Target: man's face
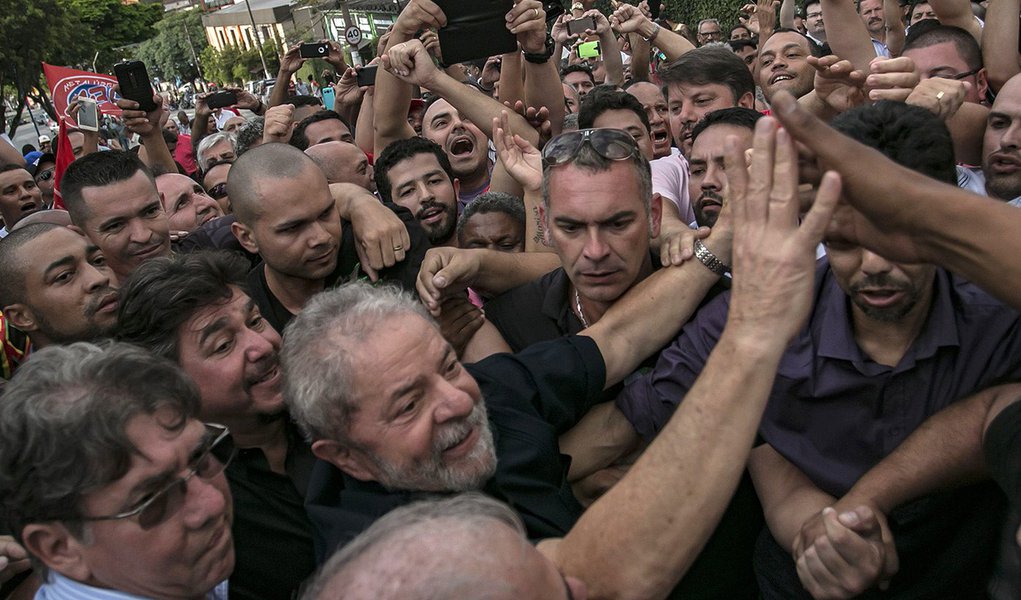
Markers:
point(19, 196)
point(348, 164)
point(600, 229)
point(571, 98)
point(171, 126)
point(707, 179)
point(943, 60)
point(420, 185)
point(219, 151)
point(748, 54)
point(655, 106)
point(46, 147)
point(580, 81)
point(233, 123)
point(425, 426)
point(920, 12)
point(328, 130)
point(191, 550)
point(126, 220)
point(813, 21)
point(77, 140)
point(709, 32)
point(297, 231)
point(215, 184)
point(1001, 145)
point(628, 121)
point(70, 292)
point(872, 14)
point(44, 178)
point(880, 289)
point(465, 144)
point(783, 65)
point(494, 231)
point(740, 33)
point(187, 205)
point(232, 354)
point(689, 103)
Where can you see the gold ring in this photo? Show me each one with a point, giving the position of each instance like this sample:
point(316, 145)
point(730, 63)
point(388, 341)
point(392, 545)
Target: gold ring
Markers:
point(939, 96)
point(398, 248)
point(536, 11)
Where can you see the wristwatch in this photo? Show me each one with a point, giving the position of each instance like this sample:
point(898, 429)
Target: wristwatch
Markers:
point(707, 258)
point(543, 57)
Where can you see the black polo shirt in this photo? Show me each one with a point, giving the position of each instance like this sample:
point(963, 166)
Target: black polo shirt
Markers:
point(532, 397)
point(348, 269)
point(272, 534)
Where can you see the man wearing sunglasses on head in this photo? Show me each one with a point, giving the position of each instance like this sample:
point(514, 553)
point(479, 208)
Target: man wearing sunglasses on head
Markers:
point(110, 482)
point(42, 171)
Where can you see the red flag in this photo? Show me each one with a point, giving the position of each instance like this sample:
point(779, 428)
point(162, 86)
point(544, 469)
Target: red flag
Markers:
point(65, 156)
point(67, 84)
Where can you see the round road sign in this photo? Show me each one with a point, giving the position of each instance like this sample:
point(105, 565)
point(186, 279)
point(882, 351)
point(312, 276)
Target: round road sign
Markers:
point(353, 35)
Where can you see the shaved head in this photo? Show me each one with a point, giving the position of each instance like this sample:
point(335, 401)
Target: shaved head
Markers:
point(260, 170)
point(13, 265)
point(343, 162)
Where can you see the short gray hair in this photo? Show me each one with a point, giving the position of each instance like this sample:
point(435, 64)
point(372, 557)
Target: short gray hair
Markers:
point(590, 160)
point(62, 425)
point(208, 142)
point(371, 554)
point(319, 346)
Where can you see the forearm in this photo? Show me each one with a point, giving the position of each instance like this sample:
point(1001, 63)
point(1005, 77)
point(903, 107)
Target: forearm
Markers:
point(620, 552)
point(611, 58)
point(894, 27)
point(787, 10)
point(157, 154)
point(967, 127)
point(957, 13)
point(390, 111)
point(501, 271)
point(999, 42)
point(816, 106)
point(946, 451)
point(603, 436)
point(513, 87)
point(486, 341)
point(666, 300)
point(199, 129)
point(349, 197)
point(364, 132)
point(788, 496)
point(673, 45)
point(279, 94)
point(543, 88)
point(479, 108)
point(502, 181)
point(535, 228)
point(641, 52)
point(846, 33)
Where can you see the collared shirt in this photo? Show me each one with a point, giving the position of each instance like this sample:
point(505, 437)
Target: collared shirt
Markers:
point(834, 412)
point(58, 587)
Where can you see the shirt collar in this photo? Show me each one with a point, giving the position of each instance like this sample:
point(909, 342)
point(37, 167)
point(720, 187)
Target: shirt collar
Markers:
point(58, 587)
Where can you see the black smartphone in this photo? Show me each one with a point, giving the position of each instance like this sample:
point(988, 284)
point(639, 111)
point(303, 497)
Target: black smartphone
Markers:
point(367, 75)
point(553, 8)
point(654, 6)
point(134, 83)
point(222, 99)
point(579, 26)
point(475, 29)
point(314, 50)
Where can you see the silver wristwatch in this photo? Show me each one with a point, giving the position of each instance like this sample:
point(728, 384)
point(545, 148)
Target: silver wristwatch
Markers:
point(707, 258)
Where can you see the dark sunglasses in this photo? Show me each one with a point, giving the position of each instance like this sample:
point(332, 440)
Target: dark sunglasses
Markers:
point(217, 452)
point(44, 175)
point(218, 191)
point(611, 144)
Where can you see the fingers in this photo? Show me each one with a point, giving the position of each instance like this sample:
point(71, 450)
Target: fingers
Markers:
point(761, 170)
point(677, 247)
point(829, 145)
point(815, 222)
point(737, 178)
point(783, 198)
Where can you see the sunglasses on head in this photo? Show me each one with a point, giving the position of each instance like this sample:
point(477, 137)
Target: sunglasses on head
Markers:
point(611, 144)
point(218, 191)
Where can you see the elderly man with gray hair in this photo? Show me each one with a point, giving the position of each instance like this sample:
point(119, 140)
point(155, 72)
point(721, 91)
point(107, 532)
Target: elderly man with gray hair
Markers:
point(108, 479)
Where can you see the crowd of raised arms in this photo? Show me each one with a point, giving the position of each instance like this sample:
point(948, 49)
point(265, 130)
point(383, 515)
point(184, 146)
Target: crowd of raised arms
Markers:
point(635, 311)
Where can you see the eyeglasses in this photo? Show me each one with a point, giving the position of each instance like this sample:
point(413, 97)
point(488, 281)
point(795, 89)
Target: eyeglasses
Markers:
point(611, 144)
point(217, 453)
point(218, 191)
point(44, 175)
point(960, 76)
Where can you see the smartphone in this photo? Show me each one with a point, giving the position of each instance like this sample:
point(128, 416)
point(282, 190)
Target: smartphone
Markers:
point(329, 97)
point(553, 8)
point(367, 75)
point(475, 29)
point(134, 83)
point(222, 99)
point(579, 26)
point(588, 50)
point(88, 114)
point(314, 50)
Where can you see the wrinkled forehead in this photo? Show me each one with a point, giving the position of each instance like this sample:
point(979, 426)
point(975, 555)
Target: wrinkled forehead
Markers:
point(647, 93)
point(778, 42)
point(437, 108)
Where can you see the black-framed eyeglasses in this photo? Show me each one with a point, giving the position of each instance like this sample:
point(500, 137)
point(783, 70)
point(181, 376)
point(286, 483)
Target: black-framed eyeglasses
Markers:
point(218, 191)
point(44, 175)
point(960, 76)
point(217, 452)
point(611, 144)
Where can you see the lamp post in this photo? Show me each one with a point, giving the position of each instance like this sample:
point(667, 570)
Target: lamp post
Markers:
point(258, 43)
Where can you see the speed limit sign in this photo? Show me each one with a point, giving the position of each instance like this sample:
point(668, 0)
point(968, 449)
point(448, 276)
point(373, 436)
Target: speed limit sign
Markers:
point(353, 35)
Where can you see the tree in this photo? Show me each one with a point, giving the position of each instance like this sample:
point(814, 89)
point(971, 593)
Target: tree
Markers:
point(111, 25)
point(168, 54)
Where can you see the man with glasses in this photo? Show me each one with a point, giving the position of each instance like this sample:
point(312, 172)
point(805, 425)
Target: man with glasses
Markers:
point(709, 31)
point(108, 479)
point(214, 180)
point(950, 53)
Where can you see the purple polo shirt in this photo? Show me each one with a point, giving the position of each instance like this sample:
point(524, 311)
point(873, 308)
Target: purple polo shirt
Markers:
point(833, 412)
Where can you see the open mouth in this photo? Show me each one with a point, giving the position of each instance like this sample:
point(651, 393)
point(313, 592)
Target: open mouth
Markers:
point(431, 214)
point(269, 375)
point(462, 444)
point(461, 146)
point(881, 297)
point(780, 77)
point(29, 207)
point(660, 136)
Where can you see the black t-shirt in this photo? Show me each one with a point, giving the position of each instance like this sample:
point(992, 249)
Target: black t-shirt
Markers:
point(348, 269)
point(1003, 452)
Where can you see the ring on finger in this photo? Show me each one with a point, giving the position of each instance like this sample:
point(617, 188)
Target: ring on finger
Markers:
point(398, 248)
point(536, 10)
point(939, 95)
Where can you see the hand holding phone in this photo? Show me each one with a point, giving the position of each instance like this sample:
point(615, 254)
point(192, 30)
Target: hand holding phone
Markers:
point(134, 83)
point(581, 25)
point(589, 50)
point(88, 114)
point(314, 50)
point(367, 75)
point(222, 99)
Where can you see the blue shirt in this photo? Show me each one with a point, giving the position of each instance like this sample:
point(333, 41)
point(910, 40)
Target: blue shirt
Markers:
point(58, 587)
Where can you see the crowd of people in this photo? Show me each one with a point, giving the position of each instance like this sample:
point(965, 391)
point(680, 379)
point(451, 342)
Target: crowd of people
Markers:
point(693, 317)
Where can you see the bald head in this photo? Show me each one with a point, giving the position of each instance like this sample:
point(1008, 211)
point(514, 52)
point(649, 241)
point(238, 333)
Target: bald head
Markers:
point(14, 262)
point(342, 162)
point(263, 170)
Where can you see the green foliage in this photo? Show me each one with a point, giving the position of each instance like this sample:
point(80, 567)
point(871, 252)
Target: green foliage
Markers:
point(693, 11)
point(37, 31)
point(110, 25)
point(238, 65)
point(167, 54)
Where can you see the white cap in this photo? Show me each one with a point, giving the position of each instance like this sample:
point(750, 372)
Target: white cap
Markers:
point(44, 138)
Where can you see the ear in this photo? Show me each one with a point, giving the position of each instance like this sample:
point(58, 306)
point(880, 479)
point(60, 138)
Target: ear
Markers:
point(54, 545)
point(350, 461)
point(747, 100)
point(21, 317)
point(655, 215)
point(457, 189)
point(982, 84)
point(244, 236)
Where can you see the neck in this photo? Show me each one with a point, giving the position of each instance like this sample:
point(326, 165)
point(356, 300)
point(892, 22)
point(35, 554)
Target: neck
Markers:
point(593, 310)
point(880, 35)
point(270, 436)
point(886, 342)
point(474, 181)
point(292, 292)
